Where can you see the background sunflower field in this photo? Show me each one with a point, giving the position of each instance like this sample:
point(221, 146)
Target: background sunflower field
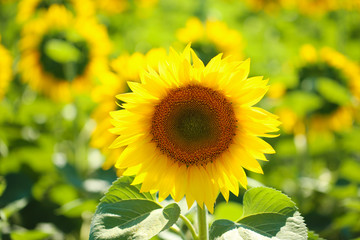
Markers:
point(62, 62)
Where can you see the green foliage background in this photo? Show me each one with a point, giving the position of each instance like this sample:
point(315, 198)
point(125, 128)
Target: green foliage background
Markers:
point(51, 180)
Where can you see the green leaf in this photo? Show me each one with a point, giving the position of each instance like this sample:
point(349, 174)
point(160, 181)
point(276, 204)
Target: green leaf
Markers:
point(333, 91)
point(344, 191)
point(267, 214)
point(350, 140)
point(14, 207)
point(313, 236)
point(353, 204)
point(18, 186)
point(77, 207)
point(132, 219)
point(29, 235)
point(228, 210)
point(122, 189)
point(262, 226)
point(2, 185)
point(267, 200)
point(350, 169)
point(125, 213)
point(62, 51)
point(224, 229)
point(302, 103)
point(265, 223)
point(62, 194)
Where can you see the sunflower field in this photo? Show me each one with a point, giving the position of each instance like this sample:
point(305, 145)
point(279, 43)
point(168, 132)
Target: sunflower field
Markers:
point(175, 120)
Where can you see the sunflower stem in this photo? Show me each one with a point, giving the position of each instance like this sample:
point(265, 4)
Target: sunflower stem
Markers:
point(190, 226)
point(177, 231)
point(202, 221)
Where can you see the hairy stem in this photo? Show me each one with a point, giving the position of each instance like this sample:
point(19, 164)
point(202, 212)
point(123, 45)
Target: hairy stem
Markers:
point(190, 226)
point(202, 221)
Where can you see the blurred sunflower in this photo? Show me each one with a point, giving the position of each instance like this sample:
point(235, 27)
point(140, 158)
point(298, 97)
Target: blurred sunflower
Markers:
point(127, 68)
point(320, 7)
point(330, 78)
point(146, 3)
point(60, 54)
point(6, 1)
point(208, 39)
point(317, 7)
point(349, 4)
point(270, 6)
point(28, 8)
point(112, 6)
point(191, 129)
point(130, 66)
point(307, 7)
point(6, 69)
point(349, 69)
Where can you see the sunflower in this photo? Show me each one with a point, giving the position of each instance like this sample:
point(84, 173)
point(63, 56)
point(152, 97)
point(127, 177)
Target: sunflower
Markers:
point(28, 8)
point(191, 129)
point(60, 54)
point(127, 68)
point(205, 37)
point(330, 78)
point(6, 69)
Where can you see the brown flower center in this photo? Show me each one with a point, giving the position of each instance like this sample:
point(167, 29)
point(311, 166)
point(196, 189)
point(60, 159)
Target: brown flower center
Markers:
point(193, 124)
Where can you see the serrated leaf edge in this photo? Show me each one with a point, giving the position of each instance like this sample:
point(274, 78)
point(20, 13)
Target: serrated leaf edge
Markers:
point(296, 208)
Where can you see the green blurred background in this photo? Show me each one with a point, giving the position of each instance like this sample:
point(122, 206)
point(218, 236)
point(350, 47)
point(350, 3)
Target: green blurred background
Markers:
point(63, 61)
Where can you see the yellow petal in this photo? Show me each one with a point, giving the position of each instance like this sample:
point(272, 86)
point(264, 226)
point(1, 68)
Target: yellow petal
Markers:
point(125, 140)
point(180, 184)
point(196, 60)
point(131, 156)
point(140, 90)
point(246, 160)
point(132, 170)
